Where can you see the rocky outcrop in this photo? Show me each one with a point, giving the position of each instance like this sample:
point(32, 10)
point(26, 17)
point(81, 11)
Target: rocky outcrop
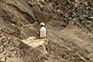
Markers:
point(66, 23)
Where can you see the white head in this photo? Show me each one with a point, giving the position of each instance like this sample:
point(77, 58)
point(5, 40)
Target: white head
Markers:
point(42, 24)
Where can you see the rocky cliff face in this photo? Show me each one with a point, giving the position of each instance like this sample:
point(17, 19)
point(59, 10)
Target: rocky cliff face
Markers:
point(69, 25)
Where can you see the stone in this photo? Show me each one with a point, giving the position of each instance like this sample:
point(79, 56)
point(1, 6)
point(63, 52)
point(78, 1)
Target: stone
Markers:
point(3, 59)
point(91, 18)
point(14, 60)
point(1, 49)
point(42, 1)
point(23, 6)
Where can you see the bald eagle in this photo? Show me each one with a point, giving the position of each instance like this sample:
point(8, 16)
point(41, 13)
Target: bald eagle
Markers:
point(43, 31)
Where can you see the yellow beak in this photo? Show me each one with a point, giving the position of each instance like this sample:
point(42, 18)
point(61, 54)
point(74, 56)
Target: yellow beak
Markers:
point(40, 24)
